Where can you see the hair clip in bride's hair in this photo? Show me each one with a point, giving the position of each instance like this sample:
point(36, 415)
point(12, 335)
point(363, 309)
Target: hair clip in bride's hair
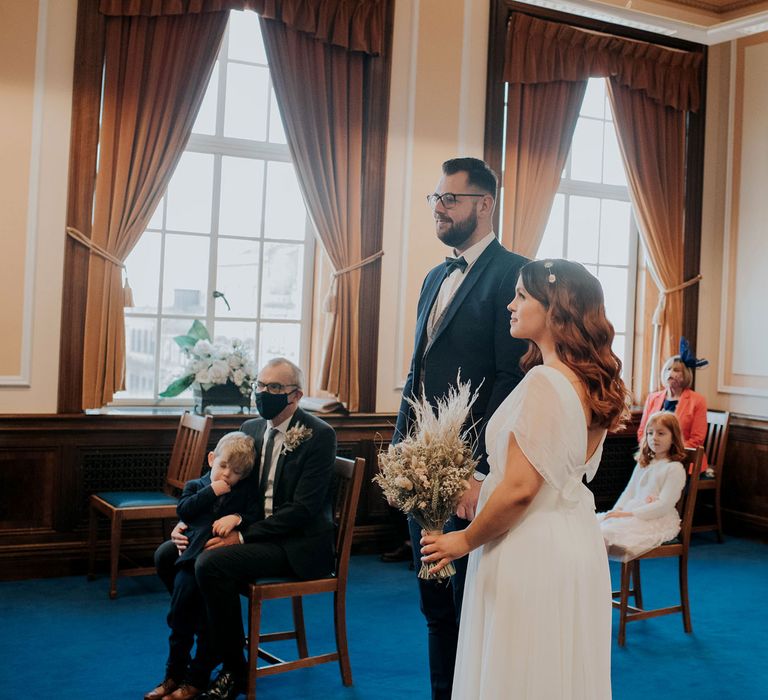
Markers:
point(548, 266)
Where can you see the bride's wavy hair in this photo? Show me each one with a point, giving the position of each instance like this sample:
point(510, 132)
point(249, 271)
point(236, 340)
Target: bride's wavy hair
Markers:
point(573, 299)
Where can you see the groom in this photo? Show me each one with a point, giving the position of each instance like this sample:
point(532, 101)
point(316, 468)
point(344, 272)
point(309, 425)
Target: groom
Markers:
point(462, 324)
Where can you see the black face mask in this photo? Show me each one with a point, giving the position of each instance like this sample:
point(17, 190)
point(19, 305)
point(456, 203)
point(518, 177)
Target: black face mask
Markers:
point(269, 405)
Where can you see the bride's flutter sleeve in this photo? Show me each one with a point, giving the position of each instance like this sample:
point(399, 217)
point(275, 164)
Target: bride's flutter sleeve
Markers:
point(546, 429)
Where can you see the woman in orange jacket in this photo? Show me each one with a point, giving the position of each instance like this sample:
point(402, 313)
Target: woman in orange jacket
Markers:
point(677, 397)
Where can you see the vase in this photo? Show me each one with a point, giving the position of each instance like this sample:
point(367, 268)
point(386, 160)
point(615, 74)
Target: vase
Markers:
point(228, 394)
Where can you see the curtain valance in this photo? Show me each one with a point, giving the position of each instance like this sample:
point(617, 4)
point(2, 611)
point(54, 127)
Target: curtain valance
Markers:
point(541, 51)
point(356, 25)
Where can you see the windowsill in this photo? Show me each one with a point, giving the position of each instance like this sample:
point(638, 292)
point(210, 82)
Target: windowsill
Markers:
point(165, 411)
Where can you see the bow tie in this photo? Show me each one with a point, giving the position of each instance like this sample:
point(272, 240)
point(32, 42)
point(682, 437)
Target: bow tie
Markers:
point(452, 264)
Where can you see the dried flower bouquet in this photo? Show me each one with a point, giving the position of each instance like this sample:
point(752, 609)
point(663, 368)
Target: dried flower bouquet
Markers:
point(426, 473)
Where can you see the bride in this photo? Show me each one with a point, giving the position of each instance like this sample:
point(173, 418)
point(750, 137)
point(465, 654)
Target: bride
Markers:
point(536, 616)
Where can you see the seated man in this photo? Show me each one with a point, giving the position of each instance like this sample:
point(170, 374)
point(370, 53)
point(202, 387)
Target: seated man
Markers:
point(295, 453)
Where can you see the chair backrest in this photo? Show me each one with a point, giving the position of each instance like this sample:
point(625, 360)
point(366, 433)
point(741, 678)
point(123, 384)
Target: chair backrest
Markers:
point(687, 503)
point(348, 480)
point(717, 438)
point(189, 450)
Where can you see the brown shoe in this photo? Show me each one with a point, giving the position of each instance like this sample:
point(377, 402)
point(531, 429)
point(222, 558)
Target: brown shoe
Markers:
point(184, 692)
point(166, 687)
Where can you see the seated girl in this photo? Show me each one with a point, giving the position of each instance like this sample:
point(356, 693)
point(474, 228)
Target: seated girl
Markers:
point(645, 515)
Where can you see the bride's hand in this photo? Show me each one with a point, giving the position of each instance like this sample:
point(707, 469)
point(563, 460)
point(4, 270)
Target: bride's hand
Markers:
point(440, 550)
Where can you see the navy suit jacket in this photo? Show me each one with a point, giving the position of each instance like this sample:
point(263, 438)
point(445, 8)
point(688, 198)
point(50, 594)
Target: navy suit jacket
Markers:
point(199, 507)
point(472, 336)
point(302, 518)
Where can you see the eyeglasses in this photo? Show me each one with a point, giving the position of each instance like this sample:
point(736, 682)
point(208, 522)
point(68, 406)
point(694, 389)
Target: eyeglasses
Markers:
point(275, 388)
point(448, 199)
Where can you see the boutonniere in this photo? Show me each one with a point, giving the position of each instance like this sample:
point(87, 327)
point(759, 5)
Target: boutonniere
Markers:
point(295, 436)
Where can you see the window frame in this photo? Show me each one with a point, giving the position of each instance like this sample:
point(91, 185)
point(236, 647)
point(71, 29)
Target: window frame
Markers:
point(494, 135)
point(219, 146)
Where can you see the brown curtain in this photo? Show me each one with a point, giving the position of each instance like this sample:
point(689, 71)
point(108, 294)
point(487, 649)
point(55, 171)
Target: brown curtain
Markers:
point(155, 75)
point(321, 90)
point(652, 142)
point(357, 25)
point(651, 90)
point(535, 153)
point(541, 51)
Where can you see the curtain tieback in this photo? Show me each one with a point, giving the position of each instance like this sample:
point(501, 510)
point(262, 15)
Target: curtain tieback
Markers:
point(329, 305)
point(659, 311)
point(81, 238)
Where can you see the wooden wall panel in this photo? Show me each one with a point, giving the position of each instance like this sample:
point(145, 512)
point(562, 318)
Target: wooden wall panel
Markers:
point(49, 465)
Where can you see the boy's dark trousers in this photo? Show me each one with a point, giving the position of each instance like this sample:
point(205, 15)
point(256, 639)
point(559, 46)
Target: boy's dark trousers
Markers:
point(186, 618)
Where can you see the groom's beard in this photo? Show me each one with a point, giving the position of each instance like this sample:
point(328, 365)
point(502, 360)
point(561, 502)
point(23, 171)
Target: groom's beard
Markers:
point(460, 231)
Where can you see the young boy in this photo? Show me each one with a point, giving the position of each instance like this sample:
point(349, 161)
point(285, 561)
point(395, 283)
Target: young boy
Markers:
point(215, 504)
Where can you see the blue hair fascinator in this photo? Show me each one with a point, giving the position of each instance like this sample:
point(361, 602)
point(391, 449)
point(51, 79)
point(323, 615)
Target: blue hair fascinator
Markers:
point(688, 358)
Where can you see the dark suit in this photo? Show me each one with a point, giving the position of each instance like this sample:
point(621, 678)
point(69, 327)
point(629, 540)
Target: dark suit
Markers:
point(472, 335)
point(297, 540)
point(199, 507)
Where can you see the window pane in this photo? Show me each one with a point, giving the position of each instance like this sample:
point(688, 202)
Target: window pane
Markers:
point(614, 232)
point(614, 281)
point(594, 99)
point(237, 276)
point(279, 340)
point(241, 196)
point(143, 270)
point(206, 115)
point(283, 275)
point(276, 131)
point(172, 359)
point(189, 194)
point(619, 347)
point(583, 227)
point(613, 165)
point(285, 213)
point(551, 245)
point(156, 222)
point(185, 281)
point(140, 341)
point(245, 42)
point(245, 111)
point(586, 150)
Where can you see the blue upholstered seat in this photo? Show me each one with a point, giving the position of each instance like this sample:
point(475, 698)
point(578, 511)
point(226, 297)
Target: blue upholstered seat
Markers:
point(137, 499)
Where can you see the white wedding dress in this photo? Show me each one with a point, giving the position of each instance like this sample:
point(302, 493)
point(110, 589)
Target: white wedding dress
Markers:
point(536, 615)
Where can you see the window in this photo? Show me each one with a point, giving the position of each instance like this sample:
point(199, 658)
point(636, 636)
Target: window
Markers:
point(591, 220)
point(230, 243)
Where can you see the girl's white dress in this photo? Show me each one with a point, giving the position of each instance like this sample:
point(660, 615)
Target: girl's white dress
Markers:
point(651, 495)
point(536, 615)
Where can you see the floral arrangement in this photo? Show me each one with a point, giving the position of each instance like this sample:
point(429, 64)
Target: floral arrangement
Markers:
point(294, 436)
point(426, 473)
point(209, 363)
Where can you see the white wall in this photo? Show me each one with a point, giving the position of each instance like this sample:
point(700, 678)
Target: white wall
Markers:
point(724, 242)
point(437, 111)
point(37, 80)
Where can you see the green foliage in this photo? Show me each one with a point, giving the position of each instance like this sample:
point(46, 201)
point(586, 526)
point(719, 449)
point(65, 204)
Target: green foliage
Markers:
point(198, 331)
point(178, 385)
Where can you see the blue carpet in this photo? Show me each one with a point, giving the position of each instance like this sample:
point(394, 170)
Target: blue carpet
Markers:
point(63, 638)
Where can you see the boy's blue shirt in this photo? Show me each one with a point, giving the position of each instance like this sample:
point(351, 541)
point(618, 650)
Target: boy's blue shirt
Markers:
point(199, 507)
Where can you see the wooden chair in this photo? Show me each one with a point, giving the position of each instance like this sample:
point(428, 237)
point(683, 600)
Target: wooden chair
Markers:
point(630, 571)
point(349, 479)
point(717, 438)
point(186, 463)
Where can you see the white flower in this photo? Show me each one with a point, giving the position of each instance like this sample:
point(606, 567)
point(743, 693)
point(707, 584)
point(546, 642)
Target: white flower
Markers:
point(203, 376)
point(295, 436)
point(219, 372)
point(238, 377)
point(202, 347)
